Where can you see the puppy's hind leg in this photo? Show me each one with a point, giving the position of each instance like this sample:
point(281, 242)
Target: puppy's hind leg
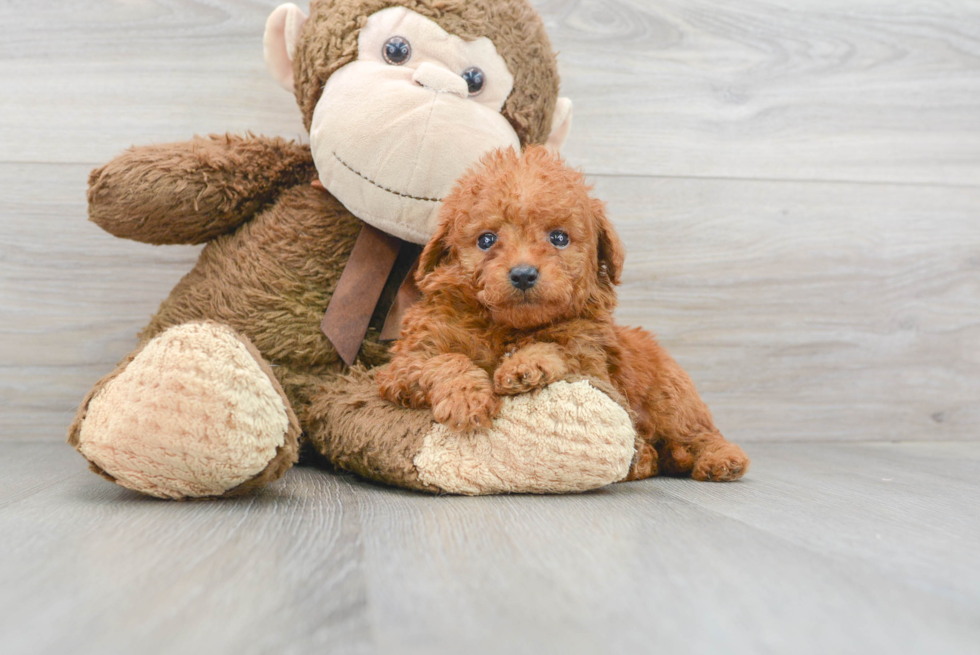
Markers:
point(645, 460)
point(671, 417)
point(688, 442)
point(708, 457)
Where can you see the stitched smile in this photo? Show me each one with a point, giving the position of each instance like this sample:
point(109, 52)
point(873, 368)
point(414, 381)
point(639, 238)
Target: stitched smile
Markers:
point(383, 188)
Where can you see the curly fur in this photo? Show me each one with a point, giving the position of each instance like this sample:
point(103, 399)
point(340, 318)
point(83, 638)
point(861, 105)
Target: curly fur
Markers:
point(475, 336)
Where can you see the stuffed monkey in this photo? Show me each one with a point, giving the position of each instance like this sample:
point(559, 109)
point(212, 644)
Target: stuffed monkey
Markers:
point(270, 340)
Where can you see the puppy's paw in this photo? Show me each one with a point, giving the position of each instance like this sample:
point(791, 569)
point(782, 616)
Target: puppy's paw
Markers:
point(466, 408)
point(512, 380)
point(530, 368)
point(400, 390)
point(644, 463)
point(390, 387)
point(723, 463)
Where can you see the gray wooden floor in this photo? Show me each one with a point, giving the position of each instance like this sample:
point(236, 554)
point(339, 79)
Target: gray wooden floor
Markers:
point(841, 548)
point(798, 183)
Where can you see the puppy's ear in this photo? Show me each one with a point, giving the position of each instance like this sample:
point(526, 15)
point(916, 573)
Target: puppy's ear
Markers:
point(435, 251)
point(612, 254)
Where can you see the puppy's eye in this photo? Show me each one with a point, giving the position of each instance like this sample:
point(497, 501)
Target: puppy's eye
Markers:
point(474, 80)
point(486, 240)
point(559, 238)
point(396, 50)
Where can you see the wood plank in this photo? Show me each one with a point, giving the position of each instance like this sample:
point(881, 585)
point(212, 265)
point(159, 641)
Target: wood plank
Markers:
point(28, 469)
point(83, 82)
point(858, 90)
point(898, 483)
point(811, 310)
point(812, 552)
point(72, 297)
point(110, 571)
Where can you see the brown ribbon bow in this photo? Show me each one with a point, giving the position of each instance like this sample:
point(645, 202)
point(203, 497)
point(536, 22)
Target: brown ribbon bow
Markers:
point(361, 286)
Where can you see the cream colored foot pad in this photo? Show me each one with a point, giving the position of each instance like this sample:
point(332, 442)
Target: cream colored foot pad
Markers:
point(192, 415)
point(567, 437)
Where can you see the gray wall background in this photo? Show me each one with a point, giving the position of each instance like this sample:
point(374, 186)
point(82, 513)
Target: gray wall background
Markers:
point(798, 185)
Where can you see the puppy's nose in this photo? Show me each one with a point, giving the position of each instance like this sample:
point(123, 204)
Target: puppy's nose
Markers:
point(523, 276)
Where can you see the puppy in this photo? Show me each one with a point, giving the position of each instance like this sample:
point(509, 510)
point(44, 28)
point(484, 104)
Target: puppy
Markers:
point(518, 291)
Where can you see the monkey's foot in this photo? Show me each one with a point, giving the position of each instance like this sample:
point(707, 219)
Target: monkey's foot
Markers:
point(567, 437)
point(196, 412)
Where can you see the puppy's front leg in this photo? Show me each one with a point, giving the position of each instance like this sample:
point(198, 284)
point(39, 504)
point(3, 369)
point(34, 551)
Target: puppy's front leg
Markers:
point(460, 393)
point(401, 380)
point(532, 367)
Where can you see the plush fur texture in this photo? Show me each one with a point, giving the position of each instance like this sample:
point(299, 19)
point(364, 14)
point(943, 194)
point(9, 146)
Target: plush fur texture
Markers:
point(275, 250)
point(352, 427)
point(566, 438)
point(195, 191)
point(390, 141)
point(194, 412)
point(330, 41)
point(477, 336)
point(562, 451)
point(270, 278)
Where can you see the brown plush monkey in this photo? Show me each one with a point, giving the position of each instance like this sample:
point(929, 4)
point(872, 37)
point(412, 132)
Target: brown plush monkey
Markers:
point(400, 97)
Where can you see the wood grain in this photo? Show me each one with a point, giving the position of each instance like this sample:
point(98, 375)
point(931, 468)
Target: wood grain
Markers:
point(83, 81)
point(811, 310)
point(72, 296)
point(843, 548)
point(863, 90)
point(866, 90)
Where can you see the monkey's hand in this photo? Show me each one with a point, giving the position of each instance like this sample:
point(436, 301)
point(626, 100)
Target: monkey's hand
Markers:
point(532, 367)
point(194, 191)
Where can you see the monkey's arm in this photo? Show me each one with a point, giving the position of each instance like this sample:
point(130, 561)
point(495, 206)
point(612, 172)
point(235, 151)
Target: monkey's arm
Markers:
point(194, 191)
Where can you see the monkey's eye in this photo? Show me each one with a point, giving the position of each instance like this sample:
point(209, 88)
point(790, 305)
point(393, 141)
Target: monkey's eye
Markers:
point(559, 239)
point(396, 50)
point(486, 240)
point(474, 80)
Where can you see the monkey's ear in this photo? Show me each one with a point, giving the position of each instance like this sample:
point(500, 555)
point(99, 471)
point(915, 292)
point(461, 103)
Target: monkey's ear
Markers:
point(282, 31)
point(561, 124)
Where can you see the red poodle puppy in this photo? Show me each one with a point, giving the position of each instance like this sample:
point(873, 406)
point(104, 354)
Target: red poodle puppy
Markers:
point(518, 291)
